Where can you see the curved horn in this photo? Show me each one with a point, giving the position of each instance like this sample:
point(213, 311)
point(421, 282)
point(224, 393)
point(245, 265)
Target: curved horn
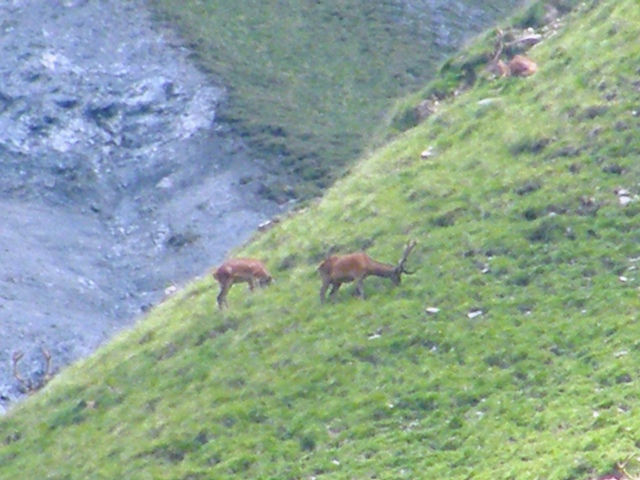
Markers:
point(405, 255)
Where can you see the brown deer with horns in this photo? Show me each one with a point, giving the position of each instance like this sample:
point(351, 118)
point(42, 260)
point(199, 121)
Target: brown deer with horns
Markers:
point(339, 269)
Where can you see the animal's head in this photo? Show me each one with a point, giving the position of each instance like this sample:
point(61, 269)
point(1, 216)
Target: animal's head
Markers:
point(396, 278)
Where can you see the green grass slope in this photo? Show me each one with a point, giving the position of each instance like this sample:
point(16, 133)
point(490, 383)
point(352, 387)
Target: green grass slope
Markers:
point(518, 216)
point(310, 80)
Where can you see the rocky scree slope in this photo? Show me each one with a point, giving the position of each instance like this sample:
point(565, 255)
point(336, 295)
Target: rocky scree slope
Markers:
point(115, 180)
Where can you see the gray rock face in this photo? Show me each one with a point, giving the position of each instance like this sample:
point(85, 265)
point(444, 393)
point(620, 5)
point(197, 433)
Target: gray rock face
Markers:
point(115, 179)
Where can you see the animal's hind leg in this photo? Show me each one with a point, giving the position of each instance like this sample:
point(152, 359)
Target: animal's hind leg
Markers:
point(360, 288)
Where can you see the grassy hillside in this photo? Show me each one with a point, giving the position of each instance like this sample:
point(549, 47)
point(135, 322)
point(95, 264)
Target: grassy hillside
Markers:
point(310, 80)
point(528, 370)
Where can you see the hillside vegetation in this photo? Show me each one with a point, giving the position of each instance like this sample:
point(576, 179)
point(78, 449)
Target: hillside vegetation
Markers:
point(310, 80)
point(512, 352)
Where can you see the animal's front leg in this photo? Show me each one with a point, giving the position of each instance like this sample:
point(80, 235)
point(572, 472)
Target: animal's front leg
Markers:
point(222, 296)
point(323, 291)
point(334, 289)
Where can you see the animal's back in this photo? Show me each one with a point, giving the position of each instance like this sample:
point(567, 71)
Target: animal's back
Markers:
point(241, 268)
point(344, 267)
point(521, 66)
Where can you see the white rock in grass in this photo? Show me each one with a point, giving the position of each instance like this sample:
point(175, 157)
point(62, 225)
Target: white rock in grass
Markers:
point(624, 196)
point(624, 200)
point(488, 101)
point(427, 153)
point(474, 313)
point(377, 334)
point(432, 310)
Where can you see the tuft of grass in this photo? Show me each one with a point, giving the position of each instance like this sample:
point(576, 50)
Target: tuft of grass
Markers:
point(512, 352)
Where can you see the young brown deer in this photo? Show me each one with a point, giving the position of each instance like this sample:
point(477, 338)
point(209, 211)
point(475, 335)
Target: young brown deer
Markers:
point(239, 270)
point(339, 269)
